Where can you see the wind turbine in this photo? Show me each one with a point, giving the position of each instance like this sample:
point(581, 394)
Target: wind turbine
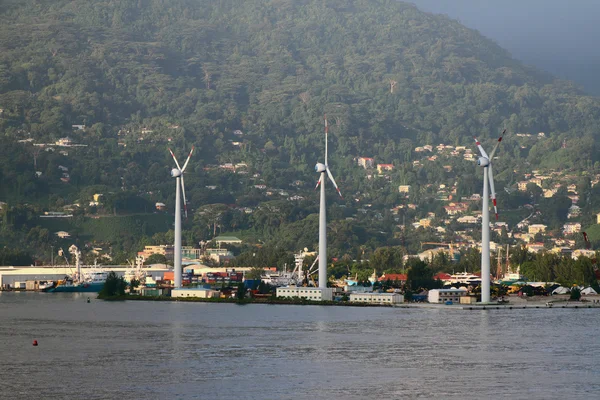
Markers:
point(485, 162)
point(324, 169)
point(177, 173)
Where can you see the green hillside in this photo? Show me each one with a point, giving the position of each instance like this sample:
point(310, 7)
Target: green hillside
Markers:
point(145, 75)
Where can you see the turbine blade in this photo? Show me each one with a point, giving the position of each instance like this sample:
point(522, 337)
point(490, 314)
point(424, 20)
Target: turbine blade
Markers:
point(176, 163)
point(497, 144)
point(587, 242)
point(481, 150)
point(326, 134)
point(333, 181)
point(188, 159)
point(493, 189)
point(318, 183)
point(183, 193)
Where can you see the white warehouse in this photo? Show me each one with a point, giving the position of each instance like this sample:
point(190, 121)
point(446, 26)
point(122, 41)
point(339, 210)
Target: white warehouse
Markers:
point(194, 292)
point(308, 293)
point(444, 295)
point(377, 298)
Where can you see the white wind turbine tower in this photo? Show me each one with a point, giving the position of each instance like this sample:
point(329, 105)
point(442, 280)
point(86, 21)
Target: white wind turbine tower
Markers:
point(324, 169)
point(177, 173)
point(485, 161)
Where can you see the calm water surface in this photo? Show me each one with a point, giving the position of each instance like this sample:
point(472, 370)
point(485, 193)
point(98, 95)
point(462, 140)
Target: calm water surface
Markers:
point(168, 350)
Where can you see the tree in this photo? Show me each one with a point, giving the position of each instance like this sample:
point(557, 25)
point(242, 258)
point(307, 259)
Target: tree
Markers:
point(114, 286)
point(155, 259)
point(240, 294)
point(575, 294)
point(420, 276)
point(133, 285)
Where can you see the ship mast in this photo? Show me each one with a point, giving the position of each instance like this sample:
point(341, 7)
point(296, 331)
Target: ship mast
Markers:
point(507, 260)
point(499, 267)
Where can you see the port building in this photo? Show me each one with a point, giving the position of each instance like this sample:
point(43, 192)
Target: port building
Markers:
point(444, 295)
point(377, 298)
point(201, 293)
point(308, 293)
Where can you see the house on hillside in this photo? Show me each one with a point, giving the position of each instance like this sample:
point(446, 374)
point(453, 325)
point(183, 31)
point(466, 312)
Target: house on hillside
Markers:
point(537, 228)
point(67, 141)
point(571, 227)
point(227, 240)
point(62, 234)
point(456, 208)
point(406, 189)
point(366, 162)
point(574, 211)
point(384, 167)
point(583, 253)
point(535, 247)
point(467, 219)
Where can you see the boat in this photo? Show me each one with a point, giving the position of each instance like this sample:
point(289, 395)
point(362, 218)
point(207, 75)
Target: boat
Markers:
point(69, 286)
point(136, 272)
point(512, 277)
point(286, 278)
point(89, 281)
point(463, 277)
point(44, 286)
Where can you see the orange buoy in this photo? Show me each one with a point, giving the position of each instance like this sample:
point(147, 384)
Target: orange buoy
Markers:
point(35, 342)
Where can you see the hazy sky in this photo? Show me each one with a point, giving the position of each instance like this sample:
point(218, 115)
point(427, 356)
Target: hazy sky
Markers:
point(559, 36)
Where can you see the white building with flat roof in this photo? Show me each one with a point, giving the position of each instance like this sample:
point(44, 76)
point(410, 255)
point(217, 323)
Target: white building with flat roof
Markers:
point(308, 293)
point(377, 298)
point(201, 293)
point(444, 295)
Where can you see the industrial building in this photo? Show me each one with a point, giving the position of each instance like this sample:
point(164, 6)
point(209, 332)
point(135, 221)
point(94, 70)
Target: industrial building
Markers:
point(444, 295)
point(308, 293)
point(377, 298)
point(9, 275)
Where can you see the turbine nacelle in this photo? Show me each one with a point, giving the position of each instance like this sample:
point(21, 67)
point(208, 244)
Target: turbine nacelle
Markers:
point(483, 161)
point(175, 173)
point(320, 167)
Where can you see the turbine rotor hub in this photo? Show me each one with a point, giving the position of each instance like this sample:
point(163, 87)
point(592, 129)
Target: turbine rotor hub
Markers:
point(175, 173)
point(320, 167)
point(483, 162)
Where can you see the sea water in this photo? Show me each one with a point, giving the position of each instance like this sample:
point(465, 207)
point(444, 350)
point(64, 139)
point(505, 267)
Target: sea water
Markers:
point(177, 350)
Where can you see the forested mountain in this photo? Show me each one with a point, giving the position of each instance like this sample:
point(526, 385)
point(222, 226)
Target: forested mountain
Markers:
point(144, 75)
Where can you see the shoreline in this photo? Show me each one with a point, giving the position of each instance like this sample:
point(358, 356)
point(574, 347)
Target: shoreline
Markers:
point(537, 304)
point(275, 301)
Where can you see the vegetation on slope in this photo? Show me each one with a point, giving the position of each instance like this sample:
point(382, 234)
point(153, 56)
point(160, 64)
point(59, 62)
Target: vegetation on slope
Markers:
point(144, 75)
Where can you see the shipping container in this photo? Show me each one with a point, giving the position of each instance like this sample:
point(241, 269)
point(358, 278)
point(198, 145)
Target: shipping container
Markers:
point(169, 276)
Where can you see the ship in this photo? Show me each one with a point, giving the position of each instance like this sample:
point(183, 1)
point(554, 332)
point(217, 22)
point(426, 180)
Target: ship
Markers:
point(297, 277)
point(463, 277)
point(136, 272)
point(90, 281)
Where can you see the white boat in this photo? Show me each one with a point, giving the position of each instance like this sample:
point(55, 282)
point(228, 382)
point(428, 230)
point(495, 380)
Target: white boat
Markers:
point(45, 285)
point(463, 277)
point(136, 272)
